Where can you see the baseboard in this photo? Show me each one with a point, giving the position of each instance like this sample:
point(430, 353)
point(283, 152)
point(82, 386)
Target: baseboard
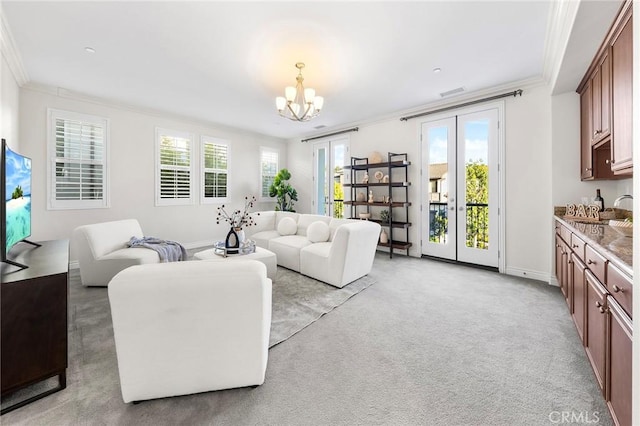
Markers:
point(526, 273)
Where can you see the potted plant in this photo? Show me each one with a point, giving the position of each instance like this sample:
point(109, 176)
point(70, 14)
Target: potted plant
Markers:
point(283, 191)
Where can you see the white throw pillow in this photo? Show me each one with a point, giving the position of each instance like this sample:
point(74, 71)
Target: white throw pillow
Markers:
point(287, 226)
point(318, 232)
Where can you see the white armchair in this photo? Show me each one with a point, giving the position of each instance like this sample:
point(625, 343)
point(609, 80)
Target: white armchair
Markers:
point(102, 250)
point(190, 327)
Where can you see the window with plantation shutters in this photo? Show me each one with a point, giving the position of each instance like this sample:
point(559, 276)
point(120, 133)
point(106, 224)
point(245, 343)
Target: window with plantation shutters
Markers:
point(268, 170)
point(214, 169)
point(173, 168)
point(77, 151)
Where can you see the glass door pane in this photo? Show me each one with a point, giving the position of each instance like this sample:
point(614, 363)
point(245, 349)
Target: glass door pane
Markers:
point(338, 151)
point(478, 188)
point(439, 150)
point(321, 172)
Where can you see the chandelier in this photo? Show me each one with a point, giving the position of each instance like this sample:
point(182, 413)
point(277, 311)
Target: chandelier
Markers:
point(299, 104)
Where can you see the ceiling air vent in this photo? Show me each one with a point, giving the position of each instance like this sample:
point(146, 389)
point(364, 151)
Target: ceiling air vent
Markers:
point(452, 92)
point(320, 127)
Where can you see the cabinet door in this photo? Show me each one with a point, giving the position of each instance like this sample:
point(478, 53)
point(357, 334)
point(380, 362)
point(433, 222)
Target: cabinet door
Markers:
point(586, 155)
point(619, 362)
point(596, 321)
point(578, 294)
point(601, 99)
point(622, 79)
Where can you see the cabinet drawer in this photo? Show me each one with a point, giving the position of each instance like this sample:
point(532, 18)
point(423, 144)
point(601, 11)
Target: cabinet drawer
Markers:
point(596, 263)
point(565, 234)
point(621, 288)
point(577, 245)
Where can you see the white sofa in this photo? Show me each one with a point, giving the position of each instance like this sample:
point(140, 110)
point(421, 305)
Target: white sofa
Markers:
point(346, 255)
point(189, 327)
point(102, 250)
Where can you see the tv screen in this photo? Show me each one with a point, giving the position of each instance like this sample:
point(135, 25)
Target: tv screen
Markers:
point(17, 198)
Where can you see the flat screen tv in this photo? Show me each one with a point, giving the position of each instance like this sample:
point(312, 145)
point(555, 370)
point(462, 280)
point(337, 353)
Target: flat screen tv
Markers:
point(15, 209)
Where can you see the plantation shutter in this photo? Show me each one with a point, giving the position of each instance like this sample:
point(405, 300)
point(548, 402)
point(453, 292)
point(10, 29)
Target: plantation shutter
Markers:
point(174, 168)
point(215, 169)
point(78, 155)
point(269, 169)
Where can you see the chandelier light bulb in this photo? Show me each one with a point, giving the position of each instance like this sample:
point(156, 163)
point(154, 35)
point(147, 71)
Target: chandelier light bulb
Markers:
point(299, 104)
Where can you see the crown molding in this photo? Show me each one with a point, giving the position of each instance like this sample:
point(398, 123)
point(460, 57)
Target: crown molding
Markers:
point(562, 16)
point(61, 92)
point(526, 84)
point(11, 53)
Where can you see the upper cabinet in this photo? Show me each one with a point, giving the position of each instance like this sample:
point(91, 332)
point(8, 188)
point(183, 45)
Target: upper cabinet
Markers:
point(621, 83)
point(605, 105)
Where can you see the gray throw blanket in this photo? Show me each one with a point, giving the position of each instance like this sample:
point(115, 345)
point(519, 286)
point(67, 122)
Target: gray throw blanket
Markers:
point(169, 251)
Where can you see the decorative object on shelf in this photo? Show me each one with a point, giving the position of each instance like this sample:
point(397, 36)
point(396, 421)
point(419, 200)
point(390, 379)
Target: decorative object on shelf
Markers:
point(375, 157)
point(384, 238)
point(582, 212)
point(365, 179)
point(387, 199)
point(371, 196)
point(598, 200)
point(284, 192)
point(298, 103)
point(384, 216)
point(365, 216)
point(385, 179)
point(378, 175)
point(361, 197)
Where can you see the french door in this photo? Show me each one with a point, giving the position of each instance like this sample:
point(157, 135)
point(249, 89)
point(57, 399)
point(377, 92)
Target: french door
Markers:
point(329, 159)
point(460, 188)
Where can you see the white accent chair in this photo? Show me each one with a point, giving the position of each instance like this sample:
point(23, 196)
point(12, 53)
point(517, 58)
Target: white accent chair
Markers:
point(188, 327)
point(102, 250)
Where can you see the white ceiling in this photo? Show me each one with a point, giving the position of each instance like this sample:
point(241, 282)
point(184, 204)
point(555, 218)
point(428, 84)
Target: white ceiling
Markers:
point(225, 62)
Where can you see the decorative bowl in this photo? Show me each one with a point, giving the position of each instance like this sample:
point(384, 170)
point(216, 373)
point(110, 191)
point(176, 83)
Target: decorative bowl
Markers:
point(365, 216)
point(622, 227)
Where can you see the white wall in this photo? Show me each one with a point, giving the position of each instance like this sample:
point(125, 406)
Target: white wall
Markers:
point(527, 175)
point(9, 105)
point(131, 168)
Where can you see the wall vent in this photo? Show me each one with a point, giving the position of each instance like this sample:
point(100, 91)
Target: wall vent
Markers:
point(452, 92)
point(322, 126)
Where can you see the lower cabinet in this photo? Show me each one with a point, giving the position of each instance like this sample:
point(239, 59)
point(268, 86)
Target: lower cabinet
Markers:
point(579, 294)
point(596, 327)
point(619, 353)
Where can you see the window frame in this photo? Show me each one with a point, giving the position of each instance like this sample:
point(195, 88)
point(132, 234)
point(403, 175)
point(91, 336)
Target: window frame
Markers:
point(55, 204)
point(162, 202)
point(216, 141)
point(271, 150)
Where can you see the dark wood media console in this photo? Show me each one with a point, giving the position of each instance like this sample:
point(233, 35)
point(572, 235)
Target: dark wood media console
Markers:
point(34, 319)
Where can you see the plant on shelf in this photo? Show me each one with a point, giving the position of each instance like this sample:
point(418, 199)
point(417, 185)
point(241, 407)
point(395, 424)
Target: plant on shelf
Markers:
point(384, 216)
point(237, 218)
point(285, 193)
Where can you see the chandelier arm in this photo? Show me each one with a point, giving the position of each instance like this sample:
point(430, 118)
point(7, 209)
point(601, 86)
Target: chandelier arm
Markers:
point(293, 112)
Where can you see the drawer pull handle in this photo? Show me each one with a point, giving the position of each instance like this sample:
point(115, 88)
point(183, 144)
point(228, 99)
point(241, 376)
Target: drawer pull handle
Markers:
point(591, 262)
point(570, 262)
point(617, 289)
point(575, 245)
point(601, 310)
point(598, 304)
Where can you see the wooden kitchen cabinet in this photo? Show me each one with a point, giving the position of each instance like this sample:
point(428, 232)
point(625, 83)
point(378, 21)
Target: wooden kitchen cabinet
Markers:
point(601, 100)
point(619, 354)
point(606, 150)
point(622, 90)
point(595, 336)
point(578, 294)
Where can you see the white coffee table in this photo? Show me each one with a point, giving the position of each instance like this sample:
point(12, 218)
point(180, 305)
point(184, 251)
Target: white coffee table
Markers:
point(263, 255)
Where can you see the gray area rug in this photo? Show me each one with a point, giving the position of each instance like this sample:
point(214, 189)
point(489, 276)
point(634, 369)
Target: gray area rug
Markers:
point(299, 301)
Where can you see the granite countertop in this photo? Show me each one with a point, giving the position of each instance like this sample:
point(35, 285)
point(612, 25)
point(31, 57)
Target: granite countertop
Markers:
point(605, 239)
